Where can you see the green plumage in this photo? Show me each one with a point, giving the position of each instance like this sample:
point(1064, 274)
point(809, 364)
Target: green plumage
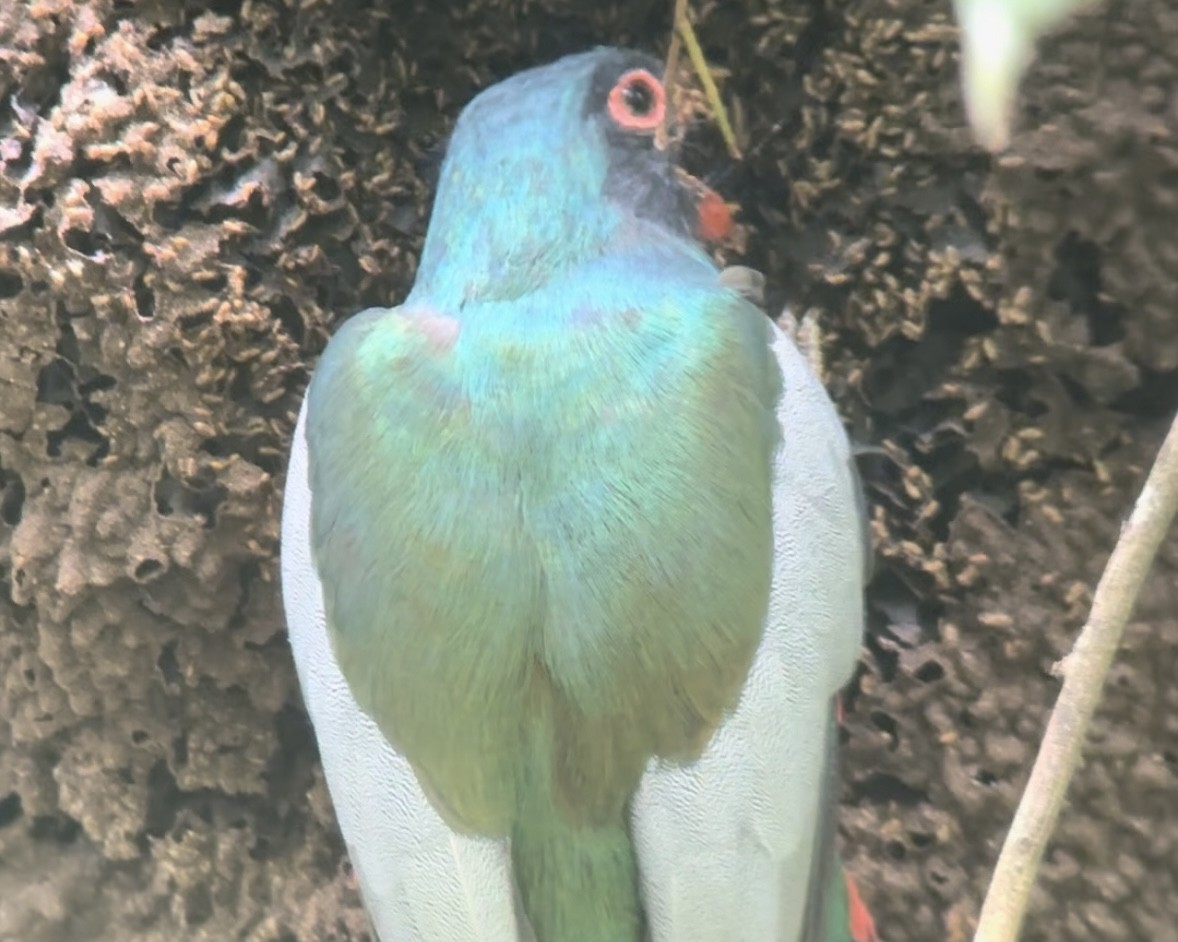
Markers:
point(545, 545)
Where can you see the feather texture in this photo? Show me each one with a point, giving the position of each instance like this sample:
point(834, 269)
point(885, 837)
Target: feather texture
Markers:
point(572, 559)
point(724, 845)
point(546, 551)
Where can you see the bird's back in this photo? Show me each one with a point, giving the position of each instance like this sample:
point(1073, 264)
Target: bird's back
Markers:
point(723, 842)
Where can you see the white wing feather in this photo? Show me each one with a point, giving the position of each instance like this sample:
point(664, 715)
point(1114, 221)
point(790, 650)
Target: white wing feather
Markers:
point(420, 881)
point(725, 845)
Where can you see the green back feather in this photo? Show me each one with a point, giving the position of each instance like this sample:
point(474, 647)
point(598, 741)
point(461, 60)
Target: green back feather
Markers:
point(546, 546)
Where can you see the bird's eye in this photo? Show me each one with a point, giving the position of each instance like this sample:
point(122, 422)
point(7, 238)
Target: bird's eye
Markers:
point(637, 97)
point(638, 102)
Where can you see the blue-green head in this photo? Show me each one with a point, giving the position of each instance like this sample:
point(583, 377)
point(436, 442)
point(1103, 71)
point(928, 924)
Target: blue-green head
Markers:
point(551, 168)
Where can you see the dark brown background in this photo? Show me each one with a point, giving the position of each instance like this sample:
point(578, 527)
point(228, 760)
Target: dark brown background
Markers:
point(194, 194)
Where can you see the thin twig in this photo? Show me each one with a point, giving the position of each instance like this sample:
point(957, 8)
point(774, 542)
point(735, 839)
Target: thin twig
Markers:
point(1084, 673)
point(671, 75)
point(700, 64)
point(682, 34)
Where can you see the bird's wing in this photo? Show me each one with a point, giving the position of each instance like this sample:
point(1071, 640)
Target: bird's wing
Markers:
point(420, 880)
point(726, 846)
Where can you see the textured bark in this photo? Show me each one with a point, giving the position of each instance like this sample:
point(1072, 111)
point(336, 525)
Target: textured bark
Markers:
point(192, 195)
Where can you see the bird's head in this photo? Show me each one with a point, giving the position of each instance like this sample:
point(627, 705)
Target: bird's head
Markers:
point(553, 167)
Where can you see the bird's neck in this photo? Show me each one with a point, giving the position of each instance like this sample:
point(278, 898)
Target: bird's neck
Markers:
point(498, 257)
point(489, 263)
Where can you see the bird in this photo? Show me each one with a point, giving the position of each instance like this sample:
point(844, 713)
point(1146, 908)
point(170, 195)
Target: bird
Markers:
point(573, 556)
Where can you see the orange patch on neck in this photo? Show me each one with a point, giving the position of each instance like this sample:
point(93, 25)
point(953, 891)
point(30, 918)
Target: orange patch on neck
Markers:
point(715, 218)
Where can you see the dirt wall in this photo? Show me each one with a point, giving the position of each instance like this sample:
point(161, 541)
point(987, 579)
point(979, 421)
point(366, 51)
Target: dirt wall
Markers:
point(193, 195)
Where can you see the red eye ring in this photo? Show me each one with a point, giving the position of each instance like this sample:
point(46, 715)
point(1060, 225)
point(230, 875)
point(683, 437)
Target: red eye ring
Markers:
point(638, 102)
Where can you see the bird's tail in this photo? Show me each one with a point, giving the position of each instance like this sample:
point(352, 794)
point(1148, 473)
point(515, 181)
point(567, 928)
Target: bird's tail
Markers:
point(578, 880)
point(835, 911)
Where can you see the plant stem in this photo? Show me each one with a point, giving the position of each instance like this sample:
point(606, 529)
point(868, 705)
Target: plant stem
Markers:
point(700, 64)
point(683, 34)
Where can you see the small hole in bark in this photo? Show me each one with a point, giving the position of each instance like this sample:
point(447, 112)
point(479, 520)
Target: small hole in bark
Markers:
point(12, 497)
point(1077, 281)
point(114, 80)
point(885, 724)
point(78, 428)
point(168, 664)
point(11, 284)
point(86, 243)
point(881, 788)
point(169, 215)
point(288, 316)
point(326, 188)
point(144, 298)
point(163, 800)
point(100, 383)
point(147, 569)
point(59, 828)
point(929, 671)
point(167, 489)
point(55, 383)
point(887, 659)
point(10, 809)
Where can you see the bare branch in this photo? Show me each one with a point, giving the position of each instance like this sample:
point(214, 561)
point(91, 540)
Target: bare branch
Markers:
point(1084, 673)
